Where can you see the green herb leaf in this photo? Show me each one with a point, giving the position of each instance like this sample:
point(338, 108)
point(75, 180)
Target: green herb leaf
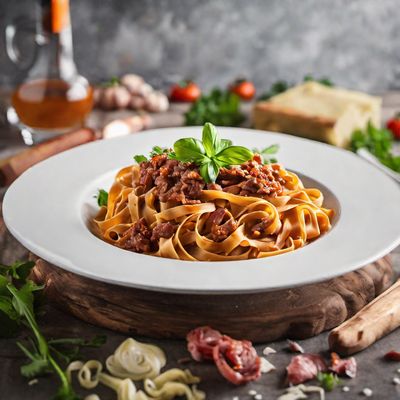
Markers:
point(234, 155)
point(102, 198)
point(18, 271)
point(224, 144)
point(190, 150)
point(204, 172)
point(323, 81)
point(273, 149)
point(211, 139)
point(218, 107)
point(267, 153)
point(39, 365)
point(140, 158)
point(379, 142)
point(276, 88)
point(328, 380)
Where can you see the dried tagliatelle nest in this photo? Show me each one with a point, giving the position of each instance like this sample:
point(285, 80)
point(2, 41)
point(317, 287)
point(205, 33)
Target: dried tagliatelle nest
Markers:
point(131, 363)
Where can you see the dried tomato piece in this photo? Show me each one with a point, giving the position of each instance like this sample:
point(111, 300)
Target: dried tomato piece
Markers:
point(392, 355)
point(201, 342)
point(237, 360)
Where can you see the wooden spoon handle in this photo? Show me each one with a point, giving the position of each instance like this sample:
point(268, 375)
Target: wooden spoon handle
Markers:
point(375, 320)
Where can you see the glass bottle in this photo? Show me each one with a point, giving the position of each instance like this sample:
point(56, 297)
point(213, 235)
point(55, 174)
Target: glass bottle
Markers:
point(54, 98)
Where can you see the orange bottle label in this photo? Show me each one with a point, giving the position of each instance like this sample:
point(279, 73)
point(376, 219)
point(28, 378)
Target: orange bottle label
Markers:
point(59, 15)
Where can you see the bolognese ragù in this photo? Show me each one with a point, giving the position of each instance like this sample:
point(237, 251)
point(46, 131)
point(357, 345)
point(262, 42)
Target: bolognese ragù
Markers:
point(169, 205)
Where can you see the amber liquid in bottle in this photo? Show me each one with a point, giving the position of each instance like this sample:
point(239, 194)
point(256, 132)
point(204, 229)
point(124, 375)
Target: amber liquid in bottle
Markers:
point(54, 98)
point(52, 104)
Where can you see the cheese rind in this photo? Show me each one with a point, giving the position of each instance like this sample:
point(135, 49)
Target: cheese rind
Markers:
point(318, 112)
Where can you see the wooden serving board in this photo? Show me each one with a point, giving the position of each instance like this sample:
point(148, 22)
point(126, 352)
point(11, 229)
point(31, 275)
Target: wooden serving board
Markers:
point(300, 312)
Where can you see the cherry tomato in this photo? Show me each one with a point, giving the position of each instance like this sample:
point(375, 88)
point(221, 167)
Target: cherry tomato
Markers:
point(394, 126)
point(243, 88)
point(185, 91)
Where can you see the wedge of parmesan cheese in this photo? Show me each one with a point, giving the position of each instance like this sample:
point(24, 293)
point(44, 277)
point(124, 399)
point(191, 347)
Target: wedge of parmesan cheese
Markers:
point(318, 112)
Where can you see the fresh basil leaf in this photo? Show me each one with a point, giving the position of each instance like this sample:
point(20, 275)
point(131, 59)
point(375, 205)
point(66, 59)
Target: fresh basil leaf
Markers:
point(189, 149)
point(213, 170)
point(204, 172)
point(234, 155)
point(140, 158)
point(224, 144)
point(211, 139)
point(102, 198)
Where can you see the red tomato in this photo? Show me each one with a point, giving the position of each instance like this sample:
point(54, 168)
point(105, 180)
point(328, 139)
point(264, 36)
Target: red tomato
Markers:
point(243, 88)
point(185, 91)
point(394, 126)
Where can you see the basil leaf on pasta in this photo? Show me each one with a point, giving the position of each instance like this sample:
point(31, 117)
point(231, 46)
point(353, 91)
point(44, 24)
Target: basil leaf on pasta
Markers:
point(211, 139)
point(204, 172)
point(189, 149)
point(140, 158)
point(224, 144)
point(234, 155)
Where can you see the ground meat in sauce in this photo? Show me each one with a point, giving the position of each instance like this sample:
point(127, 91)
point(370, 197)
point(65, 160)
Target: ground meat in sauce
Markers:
point(182, 183)
point(139, 237)
point(174, 181)
point(219, 231)
point(143, 239)
point(163, 230)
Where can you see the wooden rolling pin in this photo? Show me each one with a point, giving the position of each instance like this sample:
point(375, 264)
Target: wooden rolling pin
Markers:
point(375, 320)
point(11, 168)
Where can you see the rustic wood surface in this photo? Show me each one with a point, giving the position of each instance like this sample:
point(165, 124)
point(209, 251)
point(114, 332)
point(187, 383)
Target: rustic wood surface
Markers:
point(300, 312)
point(373, 371)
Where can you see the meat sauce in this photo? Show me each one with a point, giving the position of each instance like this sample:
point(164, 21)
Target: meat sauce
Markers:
point(181, 183)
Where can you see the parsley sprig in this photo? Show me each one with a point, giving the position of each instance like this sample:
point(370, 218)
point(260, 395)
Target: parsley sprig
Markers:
point(17, 308)
point(102, 198)
point(328, 380)
point(220, 107)
point(268, 153)
point(379, 142)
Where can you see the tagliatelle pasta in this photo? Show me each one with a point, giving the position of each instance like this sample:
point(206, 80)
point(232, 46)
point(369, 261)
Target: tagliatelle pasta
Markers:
point(134, 361)
point(162, 207)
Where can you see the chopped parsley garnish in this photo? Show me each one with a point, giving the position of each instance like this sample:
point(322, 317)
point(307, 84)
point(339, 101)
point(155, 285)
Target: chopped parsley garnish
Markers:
point(268, 153)
point(102, 198)
point(379, 142)
point(17, 309)
point(328, 380)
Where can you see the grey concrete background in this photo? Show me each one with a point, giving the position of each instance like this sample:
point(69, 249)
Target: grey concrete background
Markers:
point(354, 42)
